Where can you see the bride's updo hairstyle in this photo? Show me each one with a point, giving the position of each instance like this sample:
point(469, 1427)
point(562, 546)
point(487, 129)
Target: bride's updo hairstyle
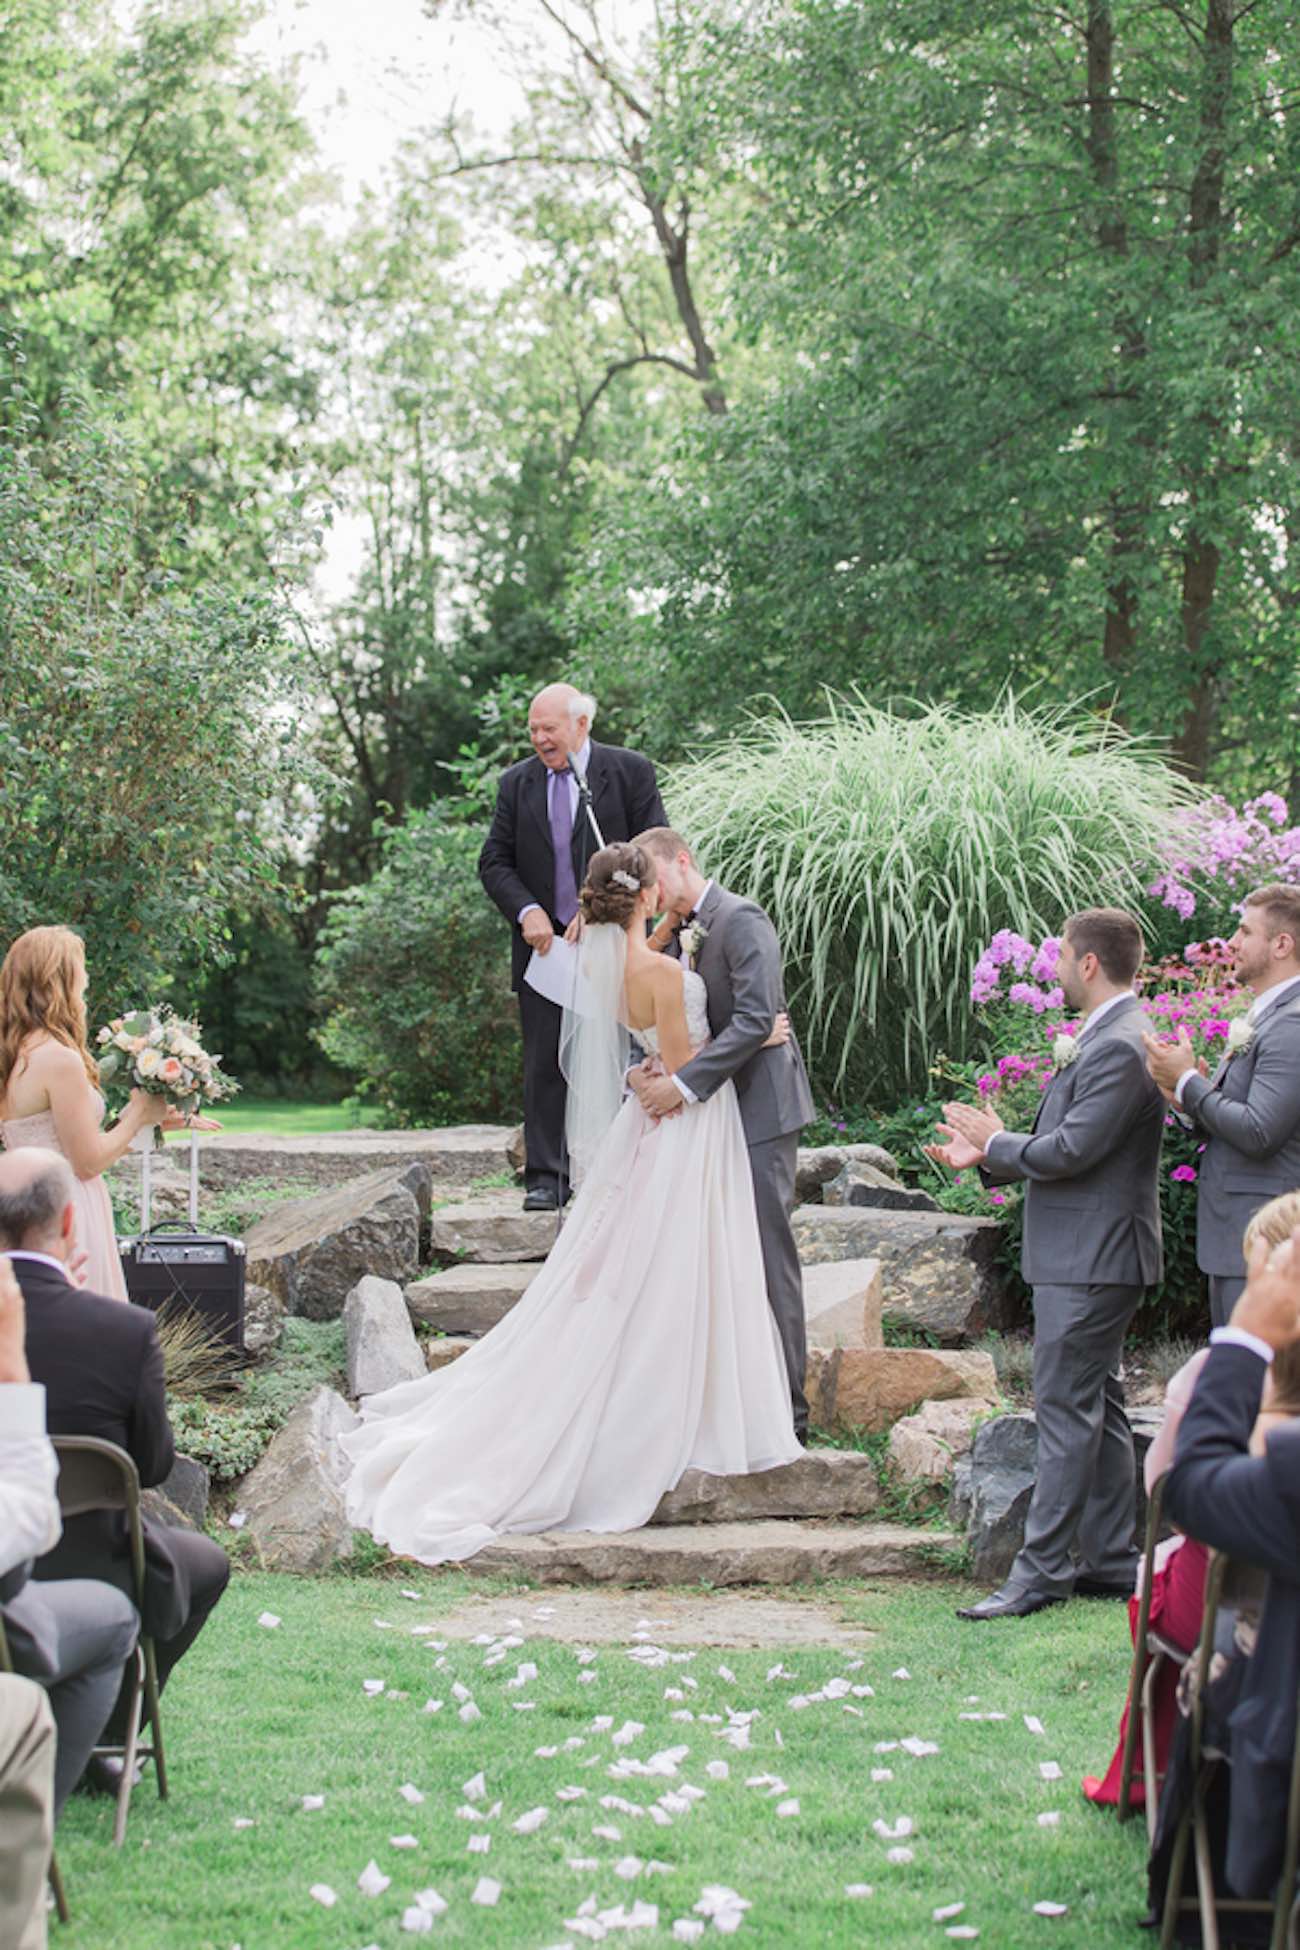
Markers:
point(615, 878)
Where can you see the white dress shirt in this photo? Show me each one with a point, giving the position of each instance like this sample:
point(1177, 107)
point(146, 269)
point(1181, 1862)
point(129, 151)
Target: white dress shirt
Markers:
point(1256, 1009)
point(566, 782)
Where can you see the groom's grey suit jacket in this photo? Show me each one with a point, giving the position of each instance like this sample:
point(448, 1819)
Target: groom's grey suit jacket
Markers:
point(1251, 1110)
point(740, 961)
point(1092, 1200)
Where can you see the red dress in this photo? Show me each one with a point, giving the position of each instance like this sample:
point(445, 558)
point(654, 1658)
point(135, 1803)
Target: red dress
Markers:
point(1177, 1602)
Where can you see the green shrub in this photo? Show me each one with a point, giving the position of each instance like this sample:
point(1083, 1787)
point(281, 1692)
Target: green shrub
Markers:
point(229, 1436)
point(889, 849)
point(413, 977)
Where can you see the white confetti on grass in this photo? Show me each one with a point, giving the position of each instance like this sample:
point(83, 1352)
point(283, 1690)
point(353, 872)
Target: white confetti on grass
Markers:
point(321, 1893)
point(268, 1621)
point(1050, 1770)
point(479, 1844)
point(409, 1792)
point(966, 1932)
point(1033, 1724)
point(237, 1519)
point(529, 1823)
point(687, 1930)
point(475, 1789)
point(900, 1855)
point(879, 1774)
point(787, 1808)
point(243, 1821)
point(947, 1911)
point(311, 1802)
point(857, 1890)
point(372, 1881)
point(417, 1921)
point(373, 1687)
point(894, 1831)
point(1051, 1819)
point(1051, 1909)
point(403, 1841)
point(487, 1892)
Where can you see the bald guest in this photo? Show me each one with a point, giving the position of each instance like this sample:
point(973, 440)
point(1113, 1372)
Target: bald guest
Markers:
point(532, 865)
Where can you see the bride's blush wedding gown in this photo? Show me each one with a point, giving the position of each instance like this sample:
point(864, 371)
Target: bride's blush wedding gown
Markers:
point(91, 1202)
point(644, 1347)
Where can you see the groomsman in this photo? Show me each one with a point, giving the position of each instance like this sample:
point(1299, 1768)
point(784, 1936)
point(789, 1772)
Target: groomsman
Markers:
point(533, 863)
point(1091, 1244)
point(1250, 1108)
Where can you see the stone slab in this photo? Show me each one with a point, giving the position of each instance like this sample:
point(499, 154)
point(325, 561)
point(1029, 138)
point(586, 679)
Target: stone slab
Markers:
point(454, 1155)
point(592, 1617)
point(293, 1500)
point(842, 1302)
point(850, 1388)
point(491, 1231)
point(924, 1447)
point(719, 1554)
point(312, 1251)
point(822, 1483)
point(470, 1298)
point(938, 1268)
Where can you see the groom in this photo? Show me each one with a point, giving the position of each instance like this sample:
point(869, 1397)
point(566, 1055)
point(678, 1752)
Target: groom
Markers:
point(733, 945)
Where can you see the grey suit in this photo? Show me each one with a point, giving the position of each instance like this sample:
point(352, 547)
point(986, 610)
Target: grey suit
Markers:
point(740, 961)
point(1251, 1111)
point(1091, 1243)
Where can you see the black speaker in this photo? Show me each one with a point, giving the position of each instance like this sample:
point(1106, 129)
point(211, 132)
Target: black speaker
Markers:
point(202, 1271)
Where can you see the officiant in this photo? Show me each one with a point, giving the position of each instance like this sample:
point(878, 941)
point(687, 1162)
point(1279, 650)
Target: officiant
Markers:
point(544, 831)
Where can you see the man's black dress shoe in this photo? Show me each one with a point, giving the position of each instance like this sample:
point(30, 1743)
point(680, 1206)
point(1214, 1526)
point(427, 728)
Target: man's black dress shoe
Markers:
point(1103, 1588)
point(1011, 1604)
point(540, 1198)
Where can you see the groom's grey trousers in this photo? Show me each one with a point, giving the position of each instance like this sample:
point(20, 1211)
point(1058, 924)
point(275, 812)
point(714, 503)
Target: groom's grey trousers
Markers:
point(772, 1162)
point(1091, 1245)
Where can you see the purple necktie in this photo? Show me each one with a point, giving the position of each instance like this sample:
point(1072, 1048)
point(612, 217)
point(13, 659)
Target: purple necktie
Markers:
point(566, 889)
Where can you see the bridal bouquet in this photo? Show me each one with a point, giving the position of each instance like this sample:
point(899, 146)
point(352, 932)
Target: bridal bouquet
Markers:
point(154, 1050)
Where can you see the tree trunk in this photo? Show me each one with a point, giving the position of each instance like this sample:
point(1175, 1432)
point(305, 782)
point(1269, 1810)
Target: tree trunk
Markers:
point(1201, 556)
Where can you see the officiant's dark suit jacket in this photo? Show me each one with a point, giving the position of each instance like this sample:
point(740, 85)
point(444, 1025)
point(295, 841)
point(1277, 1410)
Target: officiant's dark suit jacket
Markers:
point(1249, 1506)
point(102, 1368)
point(517, 863)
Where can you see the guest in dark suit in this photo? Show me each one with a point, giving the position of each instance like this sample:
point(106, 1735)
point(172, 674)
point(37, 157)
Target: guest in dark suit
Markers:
point(533, 862)
point(1250, 1506)
point(1091, 1244)
point(102, 1369)
point(1250, 1108)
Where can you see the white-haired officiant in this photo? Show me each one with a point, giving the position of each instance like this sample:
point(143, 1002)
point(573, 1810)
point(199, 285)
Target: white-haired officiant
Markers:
point(532, 865)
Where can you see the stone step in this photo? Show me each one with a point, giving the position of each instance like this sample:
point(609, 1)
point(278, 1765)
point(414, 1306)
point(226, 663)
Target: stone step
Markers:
point(869, 1388)
point(822, 1483)
point(938, 1268)
point(455, 1155)
point(491, 1231)
point(470, 1298)
point(716, 1554)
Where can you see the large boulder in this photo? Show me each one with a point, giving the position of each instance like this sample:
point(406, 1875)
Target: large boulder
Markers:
point(853, 1388)
point(293, 1500)
point(818, 1164)
point(992, 1490)
point(842, 1303)
point(939, 1268)
point(469, 1299)
point(492, 1231)
point(860, 1184)
point(925, 1447)
point(381, 1345)
point(312, 1251)
point(186, 1487)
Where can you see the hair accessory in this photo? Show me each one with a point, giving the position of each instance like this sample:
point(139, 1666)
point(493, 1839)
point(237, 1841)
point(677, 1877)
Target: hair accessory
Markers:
point(621, 879)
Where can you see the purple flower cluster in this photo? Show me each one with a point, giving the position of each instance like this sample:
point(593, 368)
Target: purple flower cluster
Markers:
point(1220, 849)
point(1010, 952)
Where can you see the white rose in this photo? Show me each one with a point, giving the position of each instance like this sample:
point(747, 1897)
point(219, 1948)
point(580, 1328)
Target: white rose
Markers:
point(148, 1062)
point(1065, 1050)
point(1241, 1033)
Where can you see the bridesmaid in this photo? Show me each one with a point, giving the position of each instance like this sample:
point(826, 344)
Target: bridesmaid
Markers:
point(49, 1087)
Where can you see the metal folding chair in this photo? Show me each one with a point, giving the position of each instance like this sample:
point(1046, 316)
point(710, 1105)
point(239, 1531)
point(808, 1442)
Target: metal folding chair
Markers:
point(96, 1475)
point(1150, 1651)
point(53, 1874)
point(1193, 1826)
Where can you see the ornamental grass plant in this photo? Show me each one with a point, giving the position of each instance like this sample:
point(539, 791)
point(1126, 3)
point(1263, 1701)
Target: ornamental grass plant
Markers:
point(890, 848)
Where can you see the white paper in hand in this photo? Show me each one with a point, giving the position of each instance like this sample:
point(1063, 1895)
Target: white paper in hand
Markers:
point(555, 975)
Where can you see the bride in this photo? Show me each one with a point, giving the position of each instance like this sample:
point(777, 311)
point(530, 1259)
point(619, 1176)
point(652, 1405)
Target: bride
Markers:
point(645, 1346)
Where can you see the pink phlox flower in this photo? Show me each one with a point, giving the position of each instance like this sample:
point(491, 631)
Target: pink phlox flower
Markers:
point(1043, 966)
point(997, 1198)
point(1213, 1026)
point(1183, 1174)
point(1271, 803)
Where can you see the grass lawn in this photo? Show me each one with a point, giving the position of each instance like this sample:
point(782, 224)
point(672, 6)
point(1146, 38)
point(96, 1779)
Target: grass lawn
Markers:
point(287, 1118)
point(258, 1718)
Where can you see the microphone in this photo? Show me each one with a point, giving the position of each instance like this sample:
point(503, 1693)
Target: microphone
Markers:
point(584, 797)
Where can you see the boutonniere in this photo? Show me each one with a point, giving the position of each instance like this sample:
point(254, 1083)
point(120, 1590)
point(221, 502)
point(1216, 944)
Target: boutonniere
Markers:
point(1065, 1050)
point(1241, 1034)
point(691, 940)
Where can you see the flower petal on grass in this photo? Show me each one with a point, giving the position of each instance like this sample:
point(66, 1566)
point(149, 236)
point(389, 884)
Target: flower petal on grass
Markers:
point(1051, 1819)
point(529, 1823)
point(1051, 1909)
point(409, 1792)
point(475, 1788)
point(786, 1808)
point(417, 1921)
point(947, 1912)
point(1050, 1770)
point(372, 1881)
point(374, 1687)
point(268, 1621)
point(858, 1889)
point(879, 1774)
point(687, 1930)
point(900, 1855)
point(321, 1893)
point(1033, 1724)
point(487, 1892)
point(311, 1802)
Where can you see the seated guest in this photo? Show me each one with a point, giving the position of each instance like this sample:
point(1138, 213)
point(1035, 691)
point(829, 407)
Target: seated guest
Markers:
point(102, 1367)
point(29, 1523)
point(73, 1636)
point(1248, 1504)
